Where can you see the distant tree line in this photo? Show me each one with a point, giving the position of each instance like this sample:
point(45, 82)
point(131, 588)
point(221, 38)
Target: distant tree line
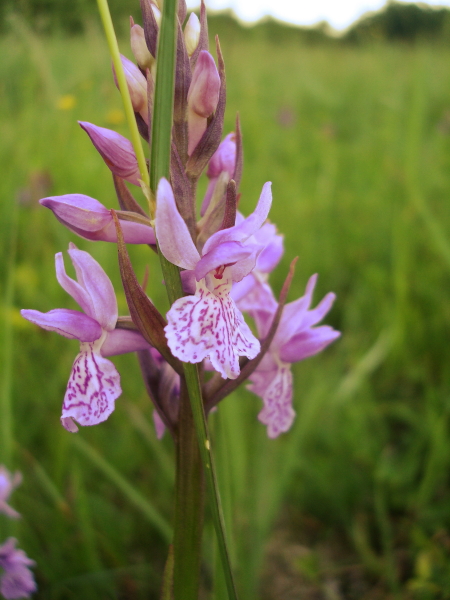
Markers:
point(397, 21)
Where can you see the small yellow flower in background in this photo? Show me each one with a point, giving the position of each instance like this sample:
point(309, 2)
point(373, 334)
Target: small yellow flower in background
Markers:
point(115, 116)
point(66, 102)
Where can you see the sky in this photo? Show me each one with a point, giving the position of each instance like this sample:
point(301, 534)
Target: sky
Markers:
point(339, 13)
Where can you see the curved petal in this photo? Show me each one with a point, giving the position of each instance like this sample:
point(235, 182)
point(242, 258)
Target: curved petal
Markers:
point(69, 323)
point(98, 286)
point(121, 341)
point(93, 387)
point(173, 235)
point(307, 343)
point(273, 250)
point(317, 314)
point(294, 313)
point(249, 226)
point(245, 266)
point(72, 287)
point(224, 254)
point(275, 388)
point(210, 324)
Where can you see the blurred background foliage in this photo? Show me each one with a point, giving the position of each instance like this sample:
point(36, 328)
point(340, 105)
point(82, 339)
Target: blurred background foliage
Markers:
point(354, 502)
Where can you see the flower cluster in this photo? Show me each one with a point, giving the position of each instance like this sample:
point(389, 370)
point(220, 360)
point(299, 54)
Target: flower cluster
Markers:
point(224, 257)
point(17, 580)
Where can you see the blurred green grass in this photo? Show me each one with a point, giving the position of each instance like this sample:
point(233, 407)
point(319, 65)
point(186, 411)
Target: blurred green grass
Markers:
point(357, 144)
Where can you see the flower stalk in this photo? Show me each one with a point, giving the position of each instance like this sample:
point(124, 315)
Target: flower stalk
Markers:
point(160, 167)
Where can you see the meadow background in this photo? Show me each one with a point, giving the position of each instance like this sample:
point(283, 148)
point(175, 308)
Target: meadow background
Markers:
point(353, 502)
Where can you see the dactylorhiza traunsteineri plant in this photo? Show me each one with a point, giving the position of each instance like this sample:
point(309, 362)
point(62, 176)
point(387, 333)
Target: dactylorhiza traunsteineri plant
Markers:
point(224, 257)
point(16, 580)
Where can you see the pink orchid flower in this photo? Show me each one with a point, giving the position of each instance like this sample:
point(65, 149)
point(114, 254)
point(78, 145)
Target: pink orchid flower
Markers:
point(94, 383)
point(296, 339)
point(209, 324)
point(17, 580)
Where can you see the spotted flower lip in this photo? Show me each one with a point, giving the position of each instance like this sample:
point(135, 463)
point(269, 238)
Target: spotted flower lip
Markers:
point(17, 580)
point(208, 323)
point(116, 151)
point(88, 218)
point(296, 339)
point(94, 383)
point(8, 483)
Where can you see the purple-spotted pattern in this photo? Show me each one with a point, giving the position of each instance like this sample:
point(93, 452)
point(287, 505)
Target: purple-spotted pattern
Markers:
point(210, 324)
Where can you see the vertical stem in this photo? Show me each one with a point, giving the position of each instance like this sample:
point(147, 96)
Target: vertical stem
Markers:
point(189, 506)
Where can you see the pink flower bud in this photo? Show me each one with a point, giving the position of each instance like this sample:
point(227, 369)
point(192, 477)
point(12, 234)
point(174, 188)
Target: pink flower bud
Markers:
point(222, 161)
point(137, 86)
point(139, 48)
point(203, 97)
point(116, 151)
point(224, 158)
point(192, 34)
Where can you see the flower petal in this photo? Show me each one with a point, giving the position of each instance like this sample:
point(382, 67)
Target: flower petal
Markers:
point(173, 236)
point(210, 324)
point(294, 313)
point(307, 343)
point(98, 286)
point(227, 253)
point(94, 385)
point(69, 323)
point(275, 388)
point(273, 250)
point(249, 226)
point(121, 341)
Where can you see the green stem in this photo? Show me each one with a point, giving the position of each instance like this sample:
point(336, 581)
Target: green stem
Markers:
point(123, 87)
point(189, 506)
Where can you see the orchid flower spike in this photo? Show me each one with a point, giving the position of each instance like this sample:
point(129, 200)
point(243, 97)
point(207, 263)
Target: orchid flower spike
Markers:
point(116, 151)
point(203, 97)
point(94, 383)
point(8, 483)
point(17, 580)
point(89, 219)
point(209, 324)
point(296, 339)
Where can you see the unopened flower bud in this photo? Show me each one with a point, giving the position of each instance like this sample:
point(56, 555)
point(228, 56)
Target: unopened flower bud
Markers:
point(89, 219)
point(157, 14)
point(139, 48)
point(222, 161)
point(192, 34)
point(137, 86)
point(203, 97)
point(116, 151)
